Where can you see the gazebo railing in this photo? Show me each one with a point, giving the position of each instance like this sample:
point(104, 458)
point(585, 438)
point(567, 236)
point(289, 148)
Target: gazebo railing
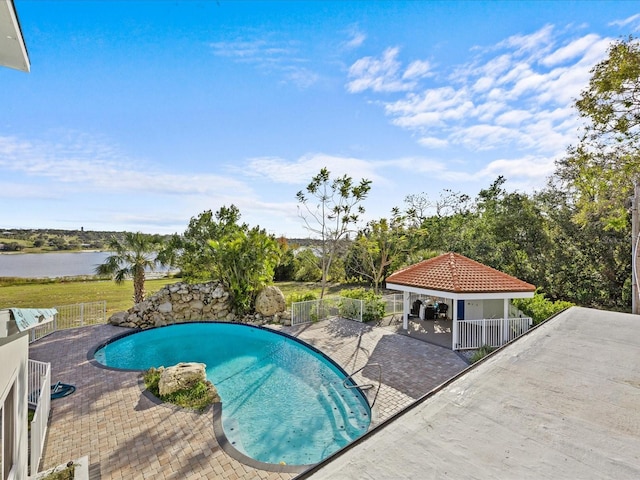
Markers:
point(493, 332)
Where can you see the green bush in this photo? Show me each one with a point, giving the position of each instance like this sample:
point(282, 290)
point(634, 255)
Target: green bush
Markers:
point(301, 297)
point(482, 352)
point(198, 397)
point(539, 308)
point(374, 305)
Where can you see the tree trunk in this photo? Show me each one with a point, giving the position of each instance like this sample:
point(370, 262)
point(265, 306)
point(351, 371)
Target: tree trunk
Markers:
point(138, 285)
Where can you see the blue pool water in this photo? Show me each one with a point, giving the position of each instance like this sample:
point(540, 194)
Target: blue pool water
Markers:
point(281, 401)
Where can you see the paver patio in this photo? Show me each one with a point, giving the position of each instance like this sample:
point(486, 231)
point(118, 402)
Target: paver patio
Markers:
point(128, 436)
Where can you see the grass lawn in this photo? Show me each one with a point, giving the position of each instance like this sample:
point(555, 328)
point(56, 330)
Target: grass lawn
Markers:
point(119, 297)
point(51, 294)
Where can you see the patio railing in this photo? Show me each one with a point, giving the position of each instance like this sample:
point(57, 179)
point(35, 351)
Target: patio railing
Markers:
point(314, 310)
point(39, 396)
point(393, 304)
point(71, 316)
point(494, 332)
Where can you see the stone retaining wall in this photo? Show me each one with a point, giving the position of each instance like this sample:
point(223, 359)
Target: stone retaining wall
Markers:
point(184, 302)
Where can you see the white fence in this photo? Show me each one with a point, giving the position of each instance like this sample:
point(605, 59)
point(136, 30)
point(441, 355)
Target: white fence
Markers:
point(71, 316)
point(494, 332)
point(321, 309)
point(313, 310)
point(39, 388)
point(393, 304)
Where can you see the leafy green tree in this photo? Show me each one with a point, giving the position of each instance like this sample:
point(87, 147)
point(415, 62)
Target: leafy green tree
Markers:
point(286, 268)
point(332, 207)
point(602, 169)
point(218, 247)
point(377, 246)
point(307, 266)
point(244, 261)
point(132, 256)
point(191, 253)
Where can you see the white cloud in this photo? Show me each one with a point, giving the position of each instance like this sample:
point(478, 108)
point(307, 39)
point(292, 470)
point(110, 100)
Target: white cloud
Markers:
point(300, 171)
point(633, 19)
point(385, 74)
point(92, 165)
point(433, 142)
point(574, 49)
point(282, 57)
point(356, 38)
point(530, 167)
point(417, 69)
point(517, 94)
point(535, 43)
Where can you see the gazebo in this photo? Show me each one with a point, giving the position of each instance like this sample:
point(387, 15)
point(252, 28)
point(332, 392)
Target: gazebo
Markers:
point(478, 298)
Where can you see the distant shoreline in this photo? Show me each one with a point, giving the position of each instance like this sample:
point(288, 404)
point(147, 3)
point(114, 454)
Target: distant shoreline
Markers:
point(53, 251)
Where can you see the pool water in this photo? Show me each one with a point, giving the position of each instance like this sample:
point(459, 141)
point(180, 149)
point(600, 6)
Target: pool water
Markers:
point(281, 401)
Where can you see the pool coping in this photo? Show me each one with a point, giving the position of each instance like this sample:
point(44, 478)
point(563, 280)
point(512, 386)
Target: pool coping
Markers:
point(216, 407)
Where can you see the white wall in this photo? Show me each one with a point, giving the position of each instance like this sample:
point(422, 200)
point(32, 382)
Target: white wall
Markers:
point(14, 356)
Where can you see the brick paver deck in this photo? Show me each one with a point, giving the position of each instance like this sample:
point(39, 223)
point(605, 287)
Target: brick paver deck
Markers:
point(127, 436)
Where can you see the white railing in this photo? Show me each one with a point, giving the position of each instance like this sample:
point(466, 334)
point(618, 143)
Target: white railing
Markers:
point(39, 388)
point(71, 316)
point(493, 332)
point(316, 310)
point(393, 303)
point(350, 308)
point(313, 310)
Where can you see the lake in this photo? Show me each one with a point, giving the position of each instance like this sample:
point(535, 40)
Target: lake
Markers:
point(51, 265)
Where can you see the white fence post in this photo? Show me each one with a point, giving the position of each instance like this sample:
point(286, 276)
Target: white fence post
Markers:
point(494, 332)
point(39, 394)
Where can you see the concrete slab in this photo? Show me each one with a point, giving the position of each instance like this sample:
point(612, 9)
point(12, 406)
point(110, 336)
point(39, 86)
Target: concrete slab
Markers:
point(560, 402)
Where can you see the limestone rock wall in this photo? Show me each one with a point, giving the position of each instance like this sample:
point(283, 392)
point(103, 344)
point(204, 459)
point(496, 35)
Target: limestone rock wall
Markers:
point(184, 302)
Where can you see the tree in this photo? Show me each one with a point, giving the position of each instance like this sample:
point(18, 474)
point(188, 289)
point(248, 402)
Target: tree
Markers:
point(378, 246)
point(132, 256)
point(191, 253)
point(218, 247)
point(332, 207)
point(244, 261)
point(602, 169)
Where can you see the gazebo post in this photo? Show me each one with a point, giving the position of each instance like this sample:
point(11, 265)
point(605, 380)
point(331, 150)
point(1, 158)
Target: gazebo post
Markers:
point(405, 310)
point(454, 318)
point(505, 323)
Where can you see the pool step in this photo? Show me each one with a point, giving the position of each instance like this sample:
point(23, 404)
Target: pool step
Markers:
point(346, 418)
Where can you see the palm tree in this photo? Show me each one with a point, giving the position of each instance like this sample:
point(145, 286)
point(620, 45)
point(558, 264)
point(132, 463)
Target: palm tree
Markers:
point(132, 255)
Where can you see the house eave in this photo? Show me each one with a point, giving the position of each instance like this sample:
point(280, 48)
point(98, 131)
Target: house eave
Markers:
point(13, 51)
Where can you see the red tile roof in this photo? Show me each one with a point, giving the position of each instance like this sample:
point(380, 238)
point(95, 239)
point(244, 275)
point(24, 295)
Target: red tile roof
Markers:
point(452, 272)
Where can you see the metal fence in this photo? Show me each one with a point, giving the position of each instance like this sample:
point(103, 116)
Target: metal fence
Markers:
point(393, 303)
point(314, 310)
point(494, 332)
point(71, 316)
point(39, 396)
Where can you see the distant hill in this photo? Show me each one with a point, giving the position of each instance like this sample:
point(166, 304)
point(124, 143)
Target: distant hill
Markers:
point(51, 240)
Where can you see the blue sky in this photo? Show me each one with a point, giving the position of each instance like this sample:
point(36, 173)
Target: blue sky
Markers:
point(140, 115)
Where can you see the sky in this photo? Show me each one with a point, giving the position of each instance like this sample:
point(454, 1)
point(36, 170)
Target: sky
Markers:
point(138, 116)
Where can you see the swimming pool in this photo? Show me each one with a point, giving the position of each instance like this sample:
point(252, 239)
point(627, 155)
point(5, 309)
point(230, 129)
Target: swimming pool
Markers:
point(282, 401)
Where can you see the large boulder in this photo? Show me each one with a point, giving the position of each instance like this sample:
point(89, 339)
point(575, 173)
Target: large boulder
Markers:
point(181, 377)
point(118, 318)
point(270, 301)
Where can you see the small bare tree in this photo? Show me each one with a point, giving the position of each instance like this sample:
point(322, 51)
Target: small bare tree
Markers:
point(332, 207)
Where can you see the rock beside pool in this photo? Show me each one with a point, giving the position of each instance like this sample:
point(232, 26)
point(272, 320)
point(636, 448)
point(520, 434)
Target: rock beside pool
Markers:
point(270, 301)
point(182, 376)
point(179, 302)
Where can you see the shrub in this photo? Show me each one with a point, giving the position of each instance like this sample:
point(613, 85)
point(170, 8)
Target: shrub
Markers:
point(301, 297)
point(198, 397)
point(482, 352)
point(374, 305)
point(539, 308)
